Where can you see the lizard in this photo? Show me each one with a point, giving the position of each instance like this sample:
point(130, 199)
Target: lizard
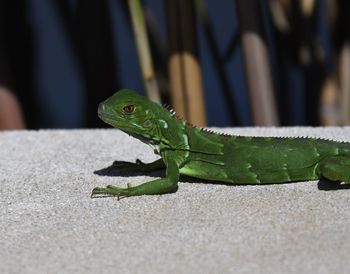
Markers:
point(201, 153)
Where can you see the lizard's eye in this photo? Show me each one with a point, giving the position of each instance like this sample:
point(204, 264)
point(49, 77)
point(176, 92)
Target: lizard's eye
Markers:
point(129, 109)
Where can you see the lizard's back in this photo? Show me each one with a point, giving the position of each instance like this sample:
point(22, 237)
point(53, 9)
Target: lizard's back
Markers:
point(254, 160)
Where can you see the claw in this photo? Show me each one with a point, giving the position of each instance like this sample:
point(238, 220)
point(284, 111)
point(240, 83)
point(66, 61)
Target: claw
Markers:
point(97, 191)
point(111, 190)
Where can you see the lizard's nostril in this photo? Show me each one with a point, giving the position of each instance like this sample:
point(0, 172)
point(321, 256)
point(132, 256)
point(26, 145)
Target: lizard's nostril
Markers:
point(101, 107)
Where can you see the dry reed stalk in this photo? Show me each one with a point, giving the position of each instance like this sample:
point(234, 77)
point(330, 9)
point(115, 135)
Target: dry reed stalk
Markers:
point(143, 49)
point(184, 69)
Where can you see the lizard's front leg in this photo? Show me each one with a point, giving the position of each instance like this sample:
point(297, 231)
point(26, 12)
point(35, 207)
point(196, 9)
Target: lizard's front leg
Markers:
point(159, 186)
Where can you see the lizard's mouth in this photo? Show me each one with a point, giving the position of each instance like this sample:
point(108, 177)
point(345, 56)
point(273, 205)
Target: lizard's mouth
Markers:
point(101, 112)
point(105, 115)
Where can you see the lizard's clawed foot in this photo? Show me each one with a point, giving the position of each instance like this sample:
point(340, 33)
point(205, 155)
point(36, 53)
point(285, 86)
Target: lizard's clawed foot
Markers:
point(110, 190)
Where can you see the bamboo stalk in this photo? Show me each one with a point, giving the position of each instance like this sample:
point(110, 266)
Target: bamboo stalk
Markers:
point(158, 49)
point(279, 11)
point(258, 74)
point(184, 68)
point(143, 49)
point(177, 92)
point(307, 6)
point(344, 75)
point(329, 105)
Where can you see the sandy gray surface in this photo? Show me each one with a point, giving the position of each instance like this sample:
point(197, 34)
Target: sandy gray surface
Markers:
point(49, 224)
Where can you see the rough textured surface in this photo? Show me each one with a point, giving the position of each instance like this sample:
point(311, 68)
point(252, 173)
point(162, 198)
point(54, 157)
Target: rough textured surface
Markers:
point(49, 224)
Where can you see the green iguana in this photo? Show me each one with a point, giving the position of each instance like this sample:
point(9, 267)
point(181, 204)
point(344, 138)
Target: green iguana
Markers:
point(200, 153)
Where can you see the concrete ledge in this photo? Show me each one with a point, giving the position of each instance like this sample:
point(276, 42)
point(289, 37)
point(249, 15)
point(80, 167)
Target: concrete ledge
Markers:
point(49, 224)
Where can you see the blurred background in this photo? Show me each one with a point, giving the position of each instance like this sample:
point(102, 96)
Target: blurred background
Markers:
point(217, 63)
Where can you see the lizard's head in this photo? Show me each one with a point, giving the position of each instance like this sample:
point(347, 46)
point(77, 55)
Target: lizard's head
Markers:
point(132, 113)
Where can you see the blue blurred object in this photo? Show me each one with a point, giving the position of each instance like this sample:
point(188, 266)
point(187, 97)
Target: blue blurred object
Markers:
point(60, 89)
point(58, 85)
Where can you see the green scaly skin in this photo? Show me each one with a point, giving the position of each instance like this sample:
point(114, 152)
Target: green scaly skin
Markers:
point(199, 153)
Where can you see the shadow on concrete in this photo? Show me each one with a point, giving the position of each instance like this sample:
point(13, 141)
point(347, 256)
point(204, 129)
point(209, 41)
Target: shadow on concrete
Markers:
point(327, 185)
point(113, 172)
